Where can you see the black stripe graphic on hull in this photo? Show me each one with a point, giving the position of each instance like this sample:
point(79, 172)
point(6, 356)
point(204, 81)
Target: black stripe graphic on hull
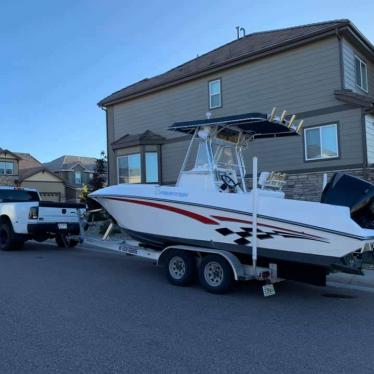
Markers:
point(262, 235)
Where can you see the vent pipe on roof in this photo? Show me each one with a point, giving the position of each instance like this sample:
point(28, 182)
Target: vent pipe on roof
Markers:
point(240, 30)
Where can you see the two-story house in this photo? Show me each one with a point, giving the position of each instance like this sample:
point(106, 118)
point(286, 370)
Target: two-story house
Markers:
point(323, 72)
point(23, 170)
point(76, 171)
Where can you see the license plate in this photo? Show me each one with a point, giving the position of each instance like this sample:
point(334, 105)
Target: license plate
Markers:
point(128, 250)
point(62, 226)
point(268, 290)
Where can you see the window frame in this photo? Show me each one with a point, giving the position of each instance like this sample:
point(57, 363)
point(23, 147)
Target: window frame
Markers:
point(143, 166)
point(4, 168)
point(360, 84)
point(80, 178)
point(127, 155)
point(321, 158)
point(210, 94)
point(157, 163)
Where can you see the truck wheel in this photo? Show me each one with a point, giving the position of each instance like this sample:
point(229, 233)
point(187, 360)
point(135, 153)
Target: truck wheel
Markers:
point(180, 268)
point(215, 274)
point(8, 239)
point(63, 241)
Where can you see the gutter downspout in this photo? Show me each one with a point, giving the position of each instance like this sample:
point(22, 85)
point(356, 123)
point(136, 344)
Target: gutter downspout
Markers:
point(364, 143)
point(107, 143)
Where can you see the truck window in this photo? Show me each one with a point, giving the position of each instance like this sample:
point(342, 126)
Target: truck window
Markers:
point(18, 196)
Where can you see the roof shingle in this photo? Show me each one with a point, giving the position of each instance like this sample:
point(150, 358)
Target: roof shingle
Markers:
point(239, 49)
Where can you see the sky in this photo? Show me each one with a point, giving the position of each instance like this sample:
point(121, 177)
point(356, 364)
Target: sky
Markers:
point(58, 58)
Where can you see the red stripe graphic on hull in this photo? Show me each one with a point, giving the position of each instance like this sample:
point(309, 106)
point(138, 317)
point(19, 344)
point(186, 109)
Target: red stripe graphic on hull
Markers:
point(183, 212)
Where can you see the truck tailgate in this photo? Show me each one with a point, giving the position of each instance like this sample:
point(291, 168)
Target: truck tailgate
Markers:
point(59, 212)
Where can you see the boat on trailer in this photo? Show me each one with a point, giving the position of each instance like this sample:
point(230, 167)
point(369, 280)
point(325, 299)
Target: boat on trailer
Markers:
point(212, 210)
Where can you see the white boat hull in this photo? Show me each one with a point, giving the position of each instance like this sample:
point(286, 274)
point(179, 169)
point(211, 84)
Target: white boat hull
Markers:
point(223, 221)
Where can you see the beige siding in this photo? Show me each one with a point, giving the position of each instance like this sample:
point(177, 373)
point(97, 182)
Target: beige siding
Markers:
point(44, 177)
point(288, 153)
point(172, 156)
point(299, 80)
point(349, 53)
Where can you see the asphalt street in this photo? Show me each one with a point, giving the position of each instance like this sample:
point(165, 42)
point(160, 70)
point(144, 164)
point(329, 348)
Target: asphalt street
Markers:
point(87, 311)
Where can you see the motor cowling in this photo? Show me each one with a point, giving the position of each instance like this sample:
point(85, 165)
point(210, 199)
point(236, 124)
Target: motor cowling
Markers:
point(353, 192)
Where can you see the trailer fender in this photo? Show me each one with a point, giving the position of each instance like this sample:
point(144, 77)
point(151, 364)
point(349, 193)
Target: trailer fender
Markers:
point(236, 265)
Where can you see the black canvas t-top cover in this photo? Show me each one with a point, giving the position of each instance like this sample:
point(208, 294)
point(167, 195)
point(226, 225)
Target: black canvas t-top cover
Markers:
point(258, 125)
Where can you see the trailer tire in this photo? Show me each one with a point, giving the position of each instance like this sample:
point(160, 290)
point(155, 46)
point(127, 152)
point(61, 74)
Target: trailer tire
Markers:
point(216, 275)
point(180, 267)
point(63, 241)
point(8, 239)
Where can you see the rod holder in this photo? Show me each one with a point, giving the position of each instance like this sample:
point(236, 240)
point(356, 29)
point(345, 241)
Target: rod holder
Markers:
point(272, 114)
point(301, 123)
point(292, 120)
point(283, 116)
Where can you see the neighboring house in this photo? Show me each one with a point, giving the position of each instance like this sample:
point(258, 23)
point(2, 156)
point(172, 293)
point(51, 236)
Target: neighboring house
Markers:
point(23, 170)
point(323, 72)
point(76, 171)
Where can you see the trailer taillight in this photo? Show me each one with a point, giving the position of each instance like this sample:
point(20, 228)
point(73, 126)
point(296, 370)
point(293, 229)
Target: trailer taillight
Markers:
point(34, 212)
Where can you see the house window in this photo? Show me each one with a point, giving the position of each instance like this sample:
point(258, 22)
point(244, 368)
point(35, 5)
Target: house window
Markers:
point(361, 74)
point(129, 169)
point(321, 142)
point(78, 177)
point(151, 167)
point(6, 168)
point(215, 96)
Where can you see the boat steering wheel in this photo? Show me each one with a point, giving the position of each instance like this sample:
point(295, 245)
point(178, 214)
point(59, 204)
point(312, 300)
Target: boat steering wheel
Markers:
point(229, 183)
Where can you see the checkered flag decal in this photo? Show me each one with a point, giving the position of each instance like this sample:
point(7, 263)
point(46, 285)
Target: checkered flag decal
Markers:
point(246, 233)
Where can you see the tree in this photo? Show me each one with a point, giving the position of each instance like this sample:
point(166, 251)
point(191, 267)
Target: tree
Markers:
point(98, 179)
point(84, 194)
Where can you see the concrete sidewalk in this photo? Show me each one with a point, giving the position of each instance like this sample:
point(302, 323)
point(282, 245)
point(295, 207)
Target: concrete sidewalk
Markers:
point(357, 282)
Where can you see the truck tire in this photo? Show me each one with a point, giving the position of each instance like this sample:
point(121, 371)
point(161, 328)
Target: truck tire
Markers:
point(63, 241)
point(180, 268)
point(215, 274)
point(8, 239)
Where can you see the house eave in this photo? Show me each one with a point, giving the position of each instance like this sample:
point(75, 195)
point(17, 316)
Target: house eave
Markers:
point(237, 61)
point(352, 34)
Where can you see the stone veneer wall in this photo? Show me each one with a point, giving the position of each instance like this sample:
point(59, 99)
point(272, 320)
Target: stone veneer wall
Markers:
point(308, 186)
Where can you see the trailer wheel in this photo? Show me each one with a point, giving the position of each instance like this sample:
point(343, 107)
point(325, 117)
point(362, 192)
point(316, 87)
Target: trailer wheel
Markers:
point(8, 239)
point(215, 274)
point(180, 268)
point(63, 241)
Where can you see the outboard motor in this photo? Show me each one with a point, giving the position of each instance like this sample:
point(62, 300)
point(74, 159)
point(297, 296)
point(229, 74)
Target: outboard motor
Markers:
point(353, 192)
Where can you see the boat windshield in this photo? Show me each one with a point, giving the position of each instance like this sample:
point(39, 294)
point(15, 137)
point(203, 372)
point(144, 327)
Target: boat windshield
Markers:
point(225, 156)
point(214, 163)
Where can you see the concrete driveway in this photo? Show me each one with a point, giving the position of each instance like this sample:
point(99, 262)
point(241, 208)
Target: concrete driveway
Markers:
point(87, 311)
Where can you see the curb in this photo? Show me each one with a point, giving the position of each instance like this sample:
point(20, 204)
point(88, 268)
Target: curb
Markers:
point(350, 286)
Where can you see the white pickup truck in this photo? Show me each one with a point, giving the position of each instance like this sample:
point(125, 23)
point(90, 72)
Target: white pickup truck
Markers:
point(23, 216)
